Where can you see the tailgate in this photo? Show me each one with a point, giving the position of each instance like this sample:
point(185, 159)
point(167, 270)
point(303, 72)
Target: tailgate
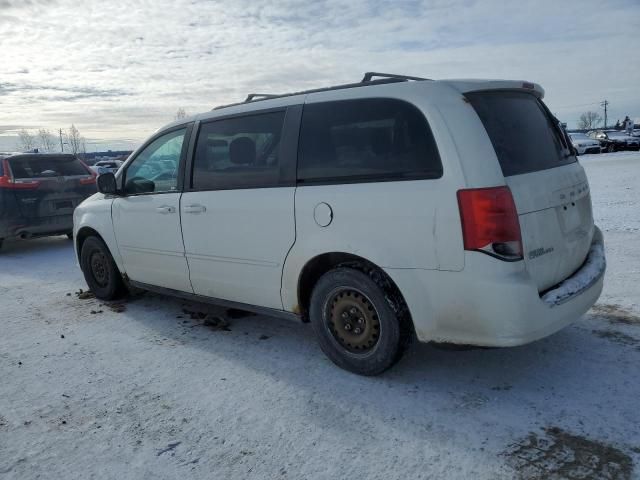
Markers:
point(556, 221)
point(549, 186)
point(47, 185)
point(57, 196)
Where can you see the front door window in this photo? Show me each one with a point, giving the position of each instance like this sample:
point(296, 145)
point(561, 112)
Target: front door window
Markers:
point(155, 169)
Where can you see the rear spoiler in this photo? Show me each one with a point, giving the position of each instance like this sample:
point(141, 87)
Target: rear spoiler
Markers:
point(466, 86)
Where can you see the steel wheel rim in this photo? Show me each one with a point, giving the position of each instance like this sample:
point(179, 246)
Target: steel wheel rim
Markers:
point(352, 320)
point(99, 268)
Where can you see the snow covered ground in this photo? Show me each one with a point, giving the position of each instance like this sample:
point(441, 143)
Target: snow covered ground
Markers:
point(142, 390)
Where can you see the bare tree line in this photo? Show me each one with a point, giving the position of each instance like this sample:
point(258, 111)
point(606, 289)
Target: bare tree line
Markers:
point(589, 120)
point(75, 143)
point(45, 141)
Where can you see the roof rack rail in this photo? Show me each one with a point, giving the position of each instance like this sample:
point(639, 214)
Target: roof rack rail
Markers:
point(367, 80)
point(262, 96)
point(369, 76)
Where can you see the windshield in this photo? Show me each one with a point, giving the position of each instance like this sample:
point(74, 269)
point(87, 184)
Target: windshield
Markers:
point(26, 166)
point(521, 130)
point(579, 136)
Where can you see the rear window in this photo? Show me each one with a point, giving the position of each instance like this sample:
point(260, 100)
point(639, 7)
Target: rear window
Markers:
point(364, 140)
point(522, 132)
point(46, 166)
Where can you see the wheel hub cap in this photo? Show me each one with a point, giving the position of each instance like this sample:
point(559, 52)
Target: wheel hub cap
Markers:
point(99, 268)
point(353, 321)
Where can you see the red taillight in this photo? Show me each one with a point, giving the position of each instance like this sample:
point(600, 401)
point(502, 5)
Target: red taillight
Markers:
point(88, 180)
point(490, 221)
point(7, 181)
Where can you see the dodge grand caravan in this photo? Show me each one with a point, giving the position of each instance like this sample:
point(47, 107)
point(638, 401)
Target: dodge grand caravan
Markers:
point(452, 211)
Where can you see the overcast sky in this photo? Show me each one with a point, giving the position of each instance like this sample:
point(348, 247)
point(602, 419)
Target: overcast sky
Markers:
point(119, 70)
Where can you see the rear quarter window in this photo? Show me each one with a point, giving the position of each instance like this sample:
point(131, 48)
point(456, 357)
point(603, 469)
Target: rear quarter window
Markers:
point(521, 131)
point(365, 140)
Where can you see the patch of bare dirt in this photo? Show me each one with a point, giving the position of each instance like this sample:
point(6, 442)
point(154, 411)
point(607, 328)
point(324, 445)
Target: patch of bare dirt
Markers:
point(82, 295)
point(207, 319)
point(117, 307)
point(615, 314)
point(558, 454)
point(618, 337)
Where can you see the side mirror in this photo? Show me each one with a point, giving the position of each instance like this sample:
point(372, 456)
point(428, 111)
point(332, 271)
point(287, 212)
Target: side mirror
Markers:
point(139, 185)
point(107, 184)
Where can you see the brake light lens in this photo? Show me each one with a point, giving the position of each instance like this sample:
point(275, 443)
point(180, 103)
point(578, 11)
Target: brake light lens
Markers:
point(490, 222)
point(7, 181)
point(88, 180)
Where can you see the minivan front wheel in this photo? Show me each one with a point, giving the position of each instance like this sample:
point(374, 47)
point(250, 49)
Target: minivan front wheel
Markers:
point(354, 322)
point(99, 269)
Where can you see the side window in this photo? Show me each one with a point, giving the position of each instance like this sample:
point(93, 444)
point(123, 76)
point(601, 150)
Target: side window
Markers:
point(365, 140)
point(155, 169)
point(241, 152)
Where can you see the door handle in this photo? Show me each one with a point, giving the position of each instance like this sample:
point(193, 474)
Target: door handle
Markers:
point(196, 208)
point(164, 209)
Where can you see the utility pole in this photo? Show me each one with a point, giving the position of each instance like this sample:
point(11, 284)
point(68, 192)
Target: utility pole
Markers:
point(605, 104)
point(61, 144)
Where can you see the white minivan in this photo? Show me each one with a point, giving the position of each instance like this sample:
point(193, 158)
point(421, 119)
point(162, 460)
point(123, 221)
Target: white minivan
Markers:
point(396, 207)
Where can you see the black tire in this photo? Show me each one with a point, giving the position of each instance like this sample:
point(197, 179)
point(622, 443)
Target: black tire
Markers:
point(1, 242)
point(100, 271)
point(611, 148)
point(366, 304)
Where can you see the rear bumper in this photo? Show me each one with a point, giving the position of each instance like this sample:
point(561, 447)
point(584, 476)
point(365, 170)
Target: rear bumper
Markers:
point(36, 227)
point(493, 303)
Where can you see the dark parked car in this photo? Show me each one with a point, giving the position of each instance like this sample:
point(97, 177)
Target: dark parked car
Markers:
point(38, 193)
point(615, 141)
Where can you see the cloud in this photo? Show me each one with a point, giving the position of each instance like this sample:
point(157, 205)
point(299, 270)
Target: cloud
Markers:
point(122, 69)
point(57, 92)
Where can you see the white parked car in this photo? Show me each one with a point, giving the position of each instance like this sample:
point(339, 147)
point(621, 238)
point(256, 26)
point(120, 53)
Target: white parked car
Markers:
point(584, 144)
point(396, 207)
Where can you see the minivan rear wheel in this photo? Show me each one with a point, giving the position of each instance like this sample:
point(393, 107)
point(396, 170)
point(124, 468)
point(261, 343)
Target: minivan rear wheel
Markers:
point(354, 322)
point(100, 270)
